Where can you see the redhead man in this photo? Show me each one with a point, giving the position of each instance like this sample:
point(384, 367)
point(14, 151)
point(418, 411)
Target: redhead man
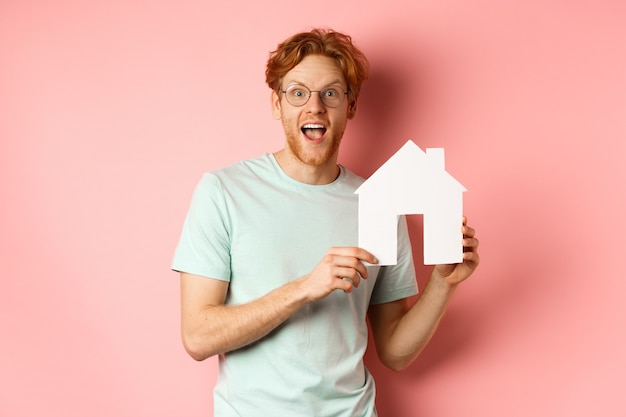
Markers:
point(271, 279)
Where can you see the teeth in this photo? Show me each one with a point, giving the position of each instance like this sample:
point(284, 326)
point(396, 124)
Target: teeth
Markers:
point(312, 126)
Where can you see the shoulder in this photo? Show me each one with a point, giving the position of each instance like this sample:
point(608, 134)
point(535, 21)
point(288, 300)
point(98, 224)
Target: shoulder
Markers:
point(350, 179)
point(235, 181)
point(236, 171)
point(260, 166)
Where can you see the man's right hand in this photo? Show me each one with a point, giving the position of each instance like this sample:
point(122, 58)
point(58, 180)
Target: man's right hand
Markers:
point(341, 268)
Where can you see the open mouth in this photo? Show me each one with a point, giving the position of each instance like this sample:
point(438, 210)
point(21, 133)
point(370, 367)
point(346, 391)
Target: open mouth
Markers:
point(313, 131)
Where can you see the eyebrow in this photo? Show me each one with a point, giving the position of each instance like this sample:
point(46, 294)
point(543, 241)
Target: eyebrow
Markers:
point(335, 82)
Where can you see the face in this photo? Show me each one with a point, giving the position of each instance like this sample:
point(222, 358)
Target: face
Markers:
point(313, 131)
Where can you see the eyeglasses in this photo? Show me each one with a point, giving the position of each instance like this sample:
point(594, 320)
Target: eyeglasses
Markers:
point(298, 95)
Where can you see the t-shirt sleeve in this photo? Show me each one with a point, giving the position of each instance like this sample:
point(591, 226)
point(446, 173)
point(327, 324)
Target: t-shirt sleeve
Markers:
point(204, 245)
point(397, 281)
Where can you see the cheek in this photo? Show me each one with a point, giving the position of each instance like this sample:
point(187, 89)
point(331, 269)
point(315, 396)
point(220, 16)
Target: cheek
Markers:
point(341, 121)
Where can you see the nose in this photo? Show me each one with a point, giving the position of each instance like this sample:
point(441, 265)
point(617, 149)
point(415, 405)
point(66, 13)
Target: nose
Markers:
point(315, 105)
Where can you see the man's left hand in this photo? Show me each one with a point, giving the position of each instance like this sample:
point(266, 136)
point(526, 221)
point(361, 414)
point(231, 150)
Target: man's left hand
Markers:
point(454, 274)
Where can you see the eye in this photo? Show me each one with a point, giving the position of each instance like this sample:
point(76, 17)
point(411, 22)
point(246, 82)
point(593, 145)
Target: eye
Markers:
point(331, 92)
point(297, 92)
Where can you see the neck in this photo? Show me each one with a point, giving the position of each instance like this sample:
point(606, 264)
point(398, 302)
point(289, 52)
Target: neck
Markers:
point(308, 174)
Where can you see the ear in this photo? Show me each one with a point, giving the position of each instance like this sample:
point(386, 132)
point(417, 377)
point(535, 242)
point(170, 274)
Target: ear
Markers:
point(352, 107)
point(276, 109)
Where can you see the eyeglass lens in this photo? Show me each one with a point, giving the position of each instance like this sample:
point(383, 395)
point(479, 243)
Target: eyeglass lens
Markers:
point(298, 95)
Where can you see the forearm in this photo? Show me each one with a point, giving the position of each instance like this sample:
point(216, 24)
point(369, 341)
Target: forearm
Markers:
point(414, 329)
point(209, 327)
point(221, 328)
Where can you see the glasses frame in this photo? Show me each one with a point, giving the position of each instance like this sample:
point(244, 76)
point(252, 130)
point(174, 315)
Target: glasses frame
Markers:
point(310, 93)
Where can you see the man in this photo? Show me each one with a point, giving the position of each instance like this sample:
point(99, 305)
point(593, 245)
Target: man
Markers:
point(271, 278)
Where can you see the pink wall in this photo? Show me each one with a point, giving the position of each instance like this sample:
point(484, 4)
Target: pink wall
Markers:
point(110, 113)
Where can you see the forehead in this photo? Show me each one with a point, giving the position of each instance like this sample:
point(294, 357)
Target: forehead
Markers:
point(315, 71)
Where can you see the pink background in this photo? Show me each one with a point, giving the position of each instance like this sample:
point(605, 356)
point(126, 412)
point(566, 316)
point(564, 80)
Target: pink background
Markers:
point(110, 113)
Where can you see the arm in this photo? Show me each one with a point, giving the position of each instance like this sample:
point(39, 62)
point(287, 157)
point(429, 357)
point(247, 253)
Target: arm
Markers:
point(209, 327)
point(401, 332)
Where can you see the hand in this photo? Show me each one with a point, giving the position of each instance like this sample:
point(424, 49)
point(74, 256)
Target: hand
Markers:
point(340, 269)
point(456, 273)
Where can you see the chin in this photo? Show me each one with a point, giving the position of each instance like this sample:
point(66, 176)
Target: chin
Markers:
point(312, 159)
point(318, 156)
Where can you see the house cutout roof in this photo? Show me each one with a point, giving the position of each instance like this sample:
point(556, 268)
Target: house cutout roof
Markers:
point(412, 182)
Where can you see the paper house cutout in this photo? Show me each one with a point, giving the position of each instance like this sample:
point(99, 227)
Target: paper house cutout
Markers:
point(412, 182)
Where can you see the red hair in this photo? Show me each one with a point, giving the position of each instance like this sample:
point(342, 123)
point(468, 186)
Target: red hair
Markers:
point(325, 42)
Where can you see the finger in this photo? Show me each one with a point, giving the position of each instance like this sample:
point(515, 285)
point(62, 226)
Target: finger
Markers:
point(350, 264)
point(468, 231)
point(347, 279)
point(471, 256)
point(355, 252)
point(349, 275)
point(361, 270)
point(470, 243)
point(345, 285)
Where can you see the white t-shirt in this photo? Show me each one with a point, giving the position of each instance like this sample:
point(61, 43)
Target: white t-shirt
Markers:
point(254, 226)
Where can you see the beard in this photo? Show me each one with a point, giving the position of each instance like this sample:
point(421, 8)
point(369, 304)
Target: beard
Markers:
point(313, 155)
